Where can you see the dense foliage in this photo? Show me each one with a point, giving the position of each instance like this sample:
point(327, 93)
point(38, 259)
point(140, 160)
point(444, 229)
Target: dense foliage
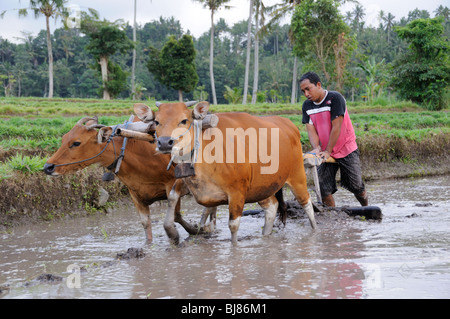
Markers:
point(174, 65)
point(366, 61)
point(422, 74)
point(322, 38)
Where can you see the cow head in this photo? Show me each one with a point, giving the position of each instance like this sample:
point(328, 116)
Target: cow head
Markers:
point(171, 122)
point(80, 143)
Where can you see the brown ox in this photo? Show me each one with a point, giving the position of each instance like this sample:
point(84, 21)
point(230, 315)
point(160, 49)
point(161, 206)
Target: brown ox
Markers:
point(225, 180)
point(142, 170)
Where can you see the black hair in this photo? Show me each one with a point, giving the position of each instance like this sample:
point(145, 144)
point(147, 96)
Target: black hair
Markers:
point(311, 76)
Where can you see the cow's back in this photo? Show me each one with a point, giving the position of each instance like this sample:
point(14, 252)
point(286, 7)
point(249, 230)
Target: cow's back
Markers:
point(249, 177)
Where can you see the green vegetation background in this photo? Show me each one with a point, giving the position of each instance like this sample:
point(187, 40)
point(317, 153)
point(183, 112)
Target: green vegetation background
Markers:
point(31, 128)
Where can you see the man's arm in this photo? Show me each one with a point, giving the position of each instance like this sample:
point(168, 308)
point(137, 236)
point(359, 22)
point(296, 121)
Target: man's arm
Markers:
point(313, 138)
point(336, 125)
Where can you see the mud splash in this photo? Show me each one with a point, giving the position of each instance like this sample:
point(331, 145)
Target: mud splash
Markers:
point(404, 256)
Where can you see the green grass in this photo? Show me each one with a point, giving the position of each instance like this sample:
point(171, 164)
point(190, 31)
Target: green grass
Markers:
point(38, 124)
point(410, 125)
point(24, 164)
point(41, 107)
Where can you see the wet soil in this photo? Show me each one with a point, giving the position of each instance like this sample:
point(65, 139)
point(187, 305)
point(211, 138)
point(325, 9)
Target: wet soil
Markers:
point(404, 256)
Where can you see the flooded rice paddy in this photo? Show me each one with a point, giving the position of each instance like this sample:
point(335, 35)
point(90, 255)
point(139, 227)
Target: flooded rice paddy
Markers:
point(407, 255)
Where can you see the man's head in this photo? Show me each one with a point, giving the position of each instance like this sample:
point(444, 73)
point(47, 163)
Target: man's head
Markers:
point(312, 87)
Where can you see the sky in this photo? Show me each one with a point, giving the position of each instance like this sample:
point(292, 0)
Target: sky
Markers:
point(192, 15)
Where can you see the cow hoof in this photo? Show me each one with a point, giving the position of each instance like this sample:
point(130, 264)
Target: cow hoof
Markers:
point(207, 228)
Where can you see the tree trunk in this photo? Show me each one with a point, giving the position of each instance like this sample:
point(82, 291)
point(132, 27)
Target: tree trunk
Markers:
point(133, 65)
point(249, 47)
point(50, 59)
point(294, 82)
point(211, 59)
point(256, 70)
point(104, 68)
point(19, 82)
point(180, 95)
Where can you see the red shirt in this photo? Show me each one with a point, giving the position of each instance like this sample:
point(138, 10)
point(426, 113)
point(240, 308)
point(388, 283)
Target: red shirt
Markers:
point(321, 114)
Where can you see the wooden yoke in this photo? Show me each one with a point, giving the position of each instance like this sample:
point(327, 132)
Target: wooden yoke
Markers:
point(144, 131)
point(136, 135)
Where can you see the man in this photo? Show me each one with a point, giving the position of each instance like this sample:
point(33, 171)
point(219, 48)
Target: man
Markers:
point(331, 133)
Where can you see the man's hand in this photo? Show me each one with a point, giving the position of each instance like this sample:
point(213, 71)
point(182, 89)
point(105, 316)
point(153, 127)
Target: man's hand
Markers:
point(325, 155)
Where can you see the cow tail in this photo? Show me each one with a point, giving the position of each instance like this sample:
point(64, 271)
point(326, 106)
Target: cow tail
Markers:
point(282, 209)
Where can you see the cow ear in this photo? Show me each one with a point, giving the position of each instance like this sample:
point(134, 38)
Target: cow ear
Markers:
point(103, 134)
point(201, 110)
point(144, 113)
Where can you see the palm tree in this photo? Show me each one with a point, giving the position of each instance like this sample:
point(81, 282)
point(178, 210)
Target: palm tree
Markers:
point(279, 11)
point(133, 63)
point(259, 19)
point(381, 18)
point(389, 19)
point(48, 8)
point(213, 6)
point(348, 17)
point(247, 61)
point(442, 11)
point(358, 14)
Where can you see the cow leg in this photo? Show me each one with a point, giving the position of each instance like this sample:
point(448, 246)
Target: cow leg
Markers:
point(192, 230)
point(236, 206)
point(270, 206)
point(211, 213)
point(309, 210)
point(202, 228)
point(144, 214)
point(173, 201)
point(297, 183)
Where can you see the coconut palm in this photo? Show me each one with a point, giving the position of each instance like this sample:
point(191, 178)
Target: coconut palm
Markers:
point(260, 10)
point(358, 15)
point(279, 11)
point(443, 11)
point(48, 8)
point(247, 61)
point(213, 6)
point(389, 20)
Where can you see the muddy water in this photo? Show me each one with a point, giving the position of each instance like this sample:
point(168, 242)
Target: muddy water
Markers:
point(407, 255)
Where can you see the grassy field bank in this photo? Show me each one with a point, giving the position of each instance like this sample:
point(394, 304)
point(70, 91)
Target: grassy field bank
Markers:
point(396, 140)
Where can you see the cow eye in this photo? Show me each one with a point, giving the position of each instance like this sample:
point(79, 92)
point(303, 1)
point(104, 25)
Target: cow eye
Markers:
point(156, 123)
point(75, 144)
point(183, 122)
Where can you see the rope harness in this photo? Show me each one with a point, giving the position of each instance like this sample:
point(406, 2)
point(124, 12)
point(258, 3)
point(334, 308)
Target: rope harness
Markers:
point(117, 159)
point(194, 153)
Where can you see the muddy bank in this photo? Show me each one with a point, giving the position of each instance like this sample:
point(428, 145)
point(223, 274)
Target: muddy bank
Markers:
point(31, 198)
point(396, 157)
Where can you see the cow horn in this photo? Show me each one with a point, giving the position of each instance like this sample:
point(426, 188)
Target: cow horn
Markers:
point(85, 119)
point(190, 103)
point(158, 104)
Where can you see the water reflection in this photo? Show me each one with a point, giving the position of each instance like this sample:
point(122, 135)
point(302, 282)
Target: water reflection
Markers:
point(257, 268)
point(402, 257)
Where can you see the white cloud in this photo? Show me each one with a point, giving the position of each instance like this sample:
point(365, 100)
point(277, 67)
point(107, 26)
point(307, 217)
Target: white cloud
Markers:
point(191, 15)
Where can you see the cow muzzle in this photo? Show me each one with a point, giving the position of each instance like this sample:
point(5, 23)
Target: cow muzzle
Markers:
point(165, 144)
point(49, 168)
